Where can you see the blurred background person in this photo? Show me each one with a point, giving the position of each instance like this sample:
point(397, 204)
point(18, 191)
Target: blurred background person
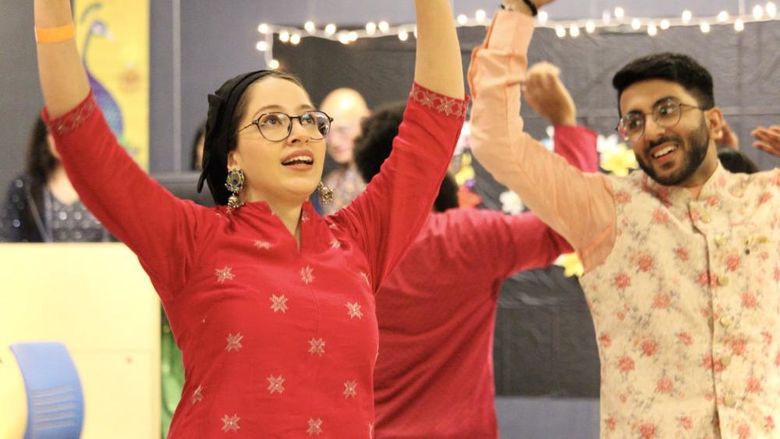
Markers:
point(731, 157)
point(41, 204)
point(347, 108)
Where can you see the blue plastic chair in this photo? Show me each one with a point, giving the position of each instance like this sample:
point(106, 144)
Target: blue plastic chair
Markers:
point(55, 403)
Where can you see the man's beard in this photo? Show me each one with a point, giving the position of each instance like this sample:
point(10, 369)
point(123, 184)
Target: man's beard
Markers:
point(697, 144)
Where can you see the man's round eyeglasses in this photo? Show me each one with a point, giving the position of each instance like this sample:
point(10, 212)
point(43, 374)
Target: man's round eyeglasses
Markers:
point(666, 114)
point(277, 126)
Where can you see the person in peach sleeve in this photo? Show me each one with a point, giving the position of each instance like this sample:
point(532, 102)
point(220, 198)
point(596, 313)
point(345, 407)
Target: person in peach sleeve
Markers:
point(682, 257)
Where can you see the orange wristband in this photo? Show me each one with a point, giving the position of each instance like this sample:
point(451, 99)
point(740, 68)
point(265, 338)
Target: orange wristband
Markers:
point(48, 35)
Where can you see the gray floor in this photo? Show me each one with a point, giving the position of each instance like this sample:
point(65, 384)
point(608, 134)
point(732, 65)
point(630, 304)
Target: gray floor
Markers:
point(548, 418)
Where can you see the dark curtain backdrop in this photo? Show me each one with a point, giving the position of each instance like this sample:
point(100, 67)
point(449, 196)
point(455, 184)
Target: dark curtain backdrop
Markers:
point(544, 340)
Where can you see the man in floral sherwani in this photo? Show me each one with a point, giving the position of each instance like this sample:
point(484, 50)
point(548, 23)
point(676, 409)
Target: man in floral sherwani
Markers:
point(682, 258)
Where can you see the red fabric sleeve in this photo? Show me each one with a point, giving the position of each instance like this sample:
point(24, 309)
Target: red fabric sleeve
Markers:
point(524, 242)
point(157, 226)
point(577, 145)
point(386, 218)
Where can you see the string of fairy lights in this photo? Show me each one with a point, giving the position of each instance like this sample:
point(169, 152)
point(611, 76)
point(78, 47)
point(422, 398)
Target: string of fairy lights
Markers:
point(616, 20)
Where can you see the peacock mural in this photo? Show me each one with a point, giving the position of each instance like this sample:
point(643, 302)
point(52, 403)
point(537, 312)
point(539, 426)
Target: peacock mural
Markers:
point(97, 28)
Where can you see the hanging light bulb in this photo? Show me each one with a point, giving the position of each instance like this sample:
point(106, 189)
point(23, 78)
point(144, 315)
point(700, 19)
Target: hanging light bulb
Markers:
point(723, 16)
point(480, 15)
point(560, 31)
point(371, 28)
point(652, 30)
point(384, 26)
point(636, 24)
point(344, 38)
point(542, 17)
point(739, 25)
point(590, 26)
point(261, 46)
point(330, 29)
point(705, 27)
point(619, 13)
point(273, 64)
point(665, 24)
point(403, 35)
point(295, 39)
point(606, 17)
point(462, 19)
point(686, 16)
point(263, 28)
point(574, 31)
point(284, 36)
point(771, 10)
point(758, 12)
point(310, 27)
point(353, 36)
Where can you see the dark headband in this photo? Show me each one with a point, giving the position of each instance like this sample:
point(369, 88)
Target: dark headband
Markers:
point(222, 107)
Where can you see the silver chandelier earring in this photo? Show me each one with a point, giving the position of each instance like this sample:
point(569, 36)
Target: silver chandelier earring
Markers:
point(234, 183)
point(325, 193)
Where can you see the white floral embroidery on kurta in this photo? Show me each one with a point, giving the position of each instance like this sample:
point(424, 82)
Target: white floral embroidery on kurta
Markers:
point(233, 342)
point(307, 275)
point(224, 274)
point(279, 303)
point(350, 389)
point(317, 346)
point(304, 217)
point(334, 243)
point(275, 384)
point(364, 275)
point(353, 310)
point(263, 245)
point(197, 395)
point(230, 423)
point(315, 427)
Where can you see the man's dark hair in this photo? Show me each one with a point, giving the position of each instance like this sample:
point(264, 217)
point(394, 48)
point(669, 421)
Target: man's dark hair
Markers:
point(674, 67)
point(375, 144)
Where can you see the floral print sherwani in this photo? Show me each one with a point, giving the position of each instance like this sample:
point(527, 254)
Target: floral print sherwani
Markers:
point(684, 290)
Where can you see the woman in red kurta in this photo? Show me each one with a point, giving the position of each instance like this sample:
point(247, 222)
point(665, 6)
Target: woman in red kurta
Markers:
point(271, 304)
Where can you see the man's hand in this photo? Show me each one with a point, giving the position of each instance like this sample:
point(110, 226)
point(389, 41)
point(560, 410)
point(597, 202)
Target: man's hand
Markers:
point(546, 94)
point(767, 139)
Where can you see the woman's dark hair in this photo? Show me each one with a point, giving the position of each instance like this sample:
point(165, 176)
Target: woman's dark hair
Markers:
point(375, 144)
point(736, 162)
point(226, 109)
point(674, 67)
point(201, 131)
point(40, 160)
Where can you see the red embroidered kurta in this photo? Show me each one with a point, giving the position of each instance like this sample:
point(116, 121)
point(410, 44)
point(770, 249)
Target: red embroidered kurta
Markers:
point(437, 311)
point(276, 341)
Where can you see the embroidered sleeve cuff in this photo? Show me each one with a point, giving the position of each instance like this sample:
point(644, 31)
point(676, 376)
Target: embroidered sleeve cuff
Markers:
point(71, 120)
point(455, 108)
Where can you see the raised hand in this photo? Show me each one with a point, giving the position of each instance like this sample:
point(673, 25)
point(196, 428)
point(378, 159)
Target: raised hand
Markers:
point(767, 139)
point(546, 94)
